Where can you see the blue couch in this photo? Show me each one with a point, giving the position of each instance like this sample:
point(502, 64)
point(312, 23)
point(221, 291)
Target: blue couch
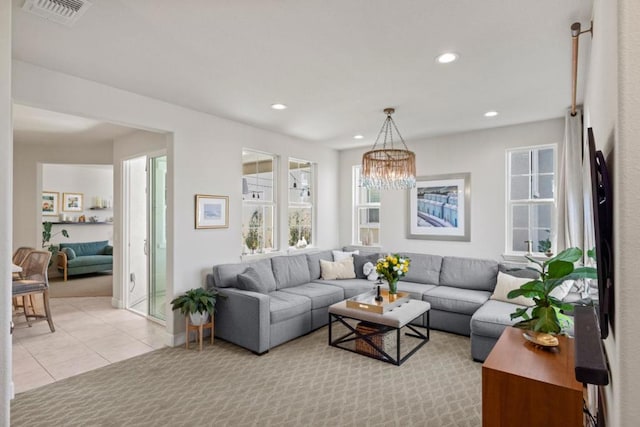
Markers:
point(85, 257)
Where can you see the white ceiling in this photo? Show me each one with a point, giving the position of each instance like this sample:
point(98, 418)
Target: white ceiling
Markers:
point(335, 63)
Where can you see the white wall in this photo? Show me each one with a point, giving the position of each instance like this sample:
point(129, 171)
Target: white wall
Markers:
point(27, 182)
point(612, 108)
point(89, 180)
point(483, 154)
point(6, 147)
point(204, 156)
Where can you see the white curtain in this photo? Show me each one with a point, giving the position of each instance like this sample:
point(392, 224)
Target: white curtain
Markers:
point(570, 194)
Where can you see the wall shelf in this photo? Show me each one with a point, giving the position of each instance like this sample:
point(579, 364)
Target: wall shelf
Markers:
point(81, 223)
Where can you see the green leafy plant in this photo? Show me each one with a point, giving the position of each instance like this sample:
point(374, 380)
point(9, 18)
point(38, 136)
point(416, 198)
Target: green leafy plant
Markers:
point(196, 300)
point(546, 314)
point(545, 245)
point(47, 236)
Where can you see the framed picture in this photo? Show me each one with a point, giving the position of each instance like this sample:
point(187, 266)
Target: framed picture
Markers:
point(439, 208)
point(212, 211)
point(72, 202)
point(50, 203)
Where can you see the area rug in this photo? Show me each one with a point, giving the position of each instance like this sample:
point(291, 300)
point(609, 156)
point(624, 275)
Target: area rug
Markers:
point(91, 285)
point(301, 383)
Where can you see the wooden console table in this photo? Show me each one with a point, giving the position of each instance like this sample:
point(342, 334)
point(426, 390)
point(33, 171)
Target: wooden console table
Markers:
point(526, 385)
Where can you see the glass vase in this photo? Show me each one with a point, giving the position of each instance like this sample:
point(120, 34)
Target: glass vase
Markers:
point(393, 287)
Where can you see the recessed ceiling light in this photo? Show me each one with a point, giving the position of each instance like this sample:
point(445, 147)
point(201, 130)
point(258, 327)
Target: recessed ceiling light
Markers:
point(447, 57)
point(358, 137)
point(278, 106)
point(491, 114)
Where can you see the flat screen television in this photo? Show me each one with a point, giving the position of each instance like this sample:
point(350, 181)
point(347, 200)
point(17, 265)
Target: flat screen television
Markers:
point(602, 211)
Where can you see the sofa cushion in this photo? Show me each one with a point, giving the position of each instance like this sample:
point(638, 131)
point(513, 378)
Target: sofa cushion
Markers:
point(321, 295)
point(416, 290)
point(424, 268)
point(337, 270)
point(285, 305)
point(351, 287)
point(517, 270)
point(313, 260)
point(360, 260)
point(87, 260)
point(469, 273)
point(71, 254)
point(226, 275)
point(456, 300)
point(249, 280)
point(507, 283)
point(491, 319)
point(290, 270)
point(86, 248)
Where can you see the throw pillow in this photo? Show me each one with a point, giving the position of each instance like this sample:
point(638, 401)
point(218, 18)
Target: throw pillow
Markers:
point(506, 283)
point(360, 260)
point(340, 255)
point(561, 292)
point(108, 250)
point(337, 270)
point(71, 254)
point(249, 280)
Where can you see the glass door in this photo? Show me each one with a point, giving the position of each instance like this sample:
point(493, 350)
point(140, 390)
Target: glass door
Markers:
point(157, 236)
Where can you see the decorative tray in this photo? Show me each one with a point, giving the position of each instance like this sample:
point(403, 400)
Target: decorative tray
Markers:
point(367, 302)
point(541, 339)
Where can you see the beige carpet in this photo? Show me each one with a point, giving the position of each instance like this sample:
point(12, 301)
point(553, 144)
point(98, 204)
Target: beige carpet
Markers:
point(301, 383)
point(94, 285)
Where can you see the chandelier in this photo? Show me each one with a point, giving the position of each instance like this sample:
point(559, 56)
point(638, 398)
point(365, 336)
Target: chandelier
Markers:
point(388, 167)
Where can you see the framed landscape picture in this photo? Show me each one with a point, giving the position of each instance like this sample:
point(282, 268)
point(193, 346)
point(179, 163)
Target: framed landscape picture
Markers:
point(50, 203)
point(212, 211)
point(439, 208)
point(72, 202)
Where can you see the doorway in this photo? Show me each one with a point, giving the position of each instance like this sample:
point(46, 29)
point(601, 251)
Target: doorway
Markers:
point(145, 233)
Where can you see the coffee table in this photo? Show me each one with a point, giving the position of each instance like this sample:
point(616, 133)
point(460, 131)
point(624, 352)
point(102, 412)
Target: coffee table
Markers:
point(392, 320)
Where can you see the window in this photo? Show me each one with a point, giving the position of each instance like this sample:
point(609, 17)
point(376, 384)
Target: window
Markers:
point(301, 179)
point(366, 212)
point(531, 199)
point(258, 202)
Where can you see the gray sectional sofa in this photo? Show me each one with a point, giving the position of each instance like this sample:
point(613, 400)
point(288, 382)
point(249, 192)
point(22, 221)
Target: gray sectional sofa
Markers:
point(293, 299)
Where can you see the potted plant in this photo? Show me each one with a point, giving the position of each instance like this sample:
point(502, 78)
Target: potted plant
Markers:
point(198, 303)
point(252, 239)
point(546, 312)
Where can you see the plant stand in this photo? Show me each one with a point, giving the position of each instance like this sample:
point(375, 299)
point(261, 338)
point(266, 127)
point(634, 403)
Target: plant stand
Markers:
point(199, 328)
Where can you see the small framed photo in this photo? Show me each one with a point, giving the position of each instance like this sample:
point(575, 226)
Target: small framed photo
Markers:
point(72, 202)
point(212, 211)
point(50, 203)
point(439, 208)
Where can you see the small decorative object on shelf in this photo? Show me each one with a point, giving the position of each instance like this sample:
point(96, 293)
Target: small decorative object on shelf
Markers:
point(391, 268)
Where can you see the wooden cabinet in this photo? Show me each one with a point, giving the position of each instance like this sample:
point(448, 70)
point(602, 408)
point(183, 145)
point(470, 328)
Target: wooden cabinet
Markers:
point(529, 386)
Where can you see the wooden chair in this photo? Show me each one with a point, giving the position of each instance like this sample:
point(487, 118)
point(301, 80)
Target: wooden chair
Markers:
point(18, 258)
point(34, 281)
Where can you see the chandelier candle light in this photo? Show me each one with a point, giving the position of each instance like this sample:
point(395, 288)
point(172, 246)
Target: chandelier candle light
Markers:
point(389, 167)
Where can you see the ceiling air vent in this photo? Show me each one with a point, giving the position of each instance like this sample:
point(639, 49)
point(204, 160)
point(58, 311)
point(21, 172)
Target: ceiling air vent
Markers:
point(64, 12)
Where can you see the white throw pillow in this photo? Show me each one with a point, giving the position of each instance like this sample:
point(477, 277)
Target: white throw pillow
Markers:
point(340, 255)
point(337, 270)
point(561, 292)
point(505, 284)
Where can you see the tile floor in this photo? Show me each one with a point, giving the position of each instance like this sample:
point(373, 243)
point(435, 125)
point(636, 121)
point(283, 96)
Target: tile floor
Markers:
point(89, 334)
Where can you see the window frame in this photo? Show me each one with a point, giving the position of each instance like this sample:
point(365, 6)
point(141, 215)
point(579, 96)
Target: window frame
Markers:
point(531, 200)
point(356, 206)
point(262, 204)
point(310, 203)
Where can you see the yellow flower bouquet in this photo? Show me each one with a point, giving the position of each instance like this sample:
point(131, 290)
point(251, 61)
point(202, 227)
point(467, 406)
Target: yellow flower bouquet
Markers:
point(391, 268)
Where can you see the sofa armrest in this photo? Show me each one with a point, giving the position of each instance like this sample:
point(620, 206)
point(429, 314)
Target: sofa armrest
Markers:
point(243, 318)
